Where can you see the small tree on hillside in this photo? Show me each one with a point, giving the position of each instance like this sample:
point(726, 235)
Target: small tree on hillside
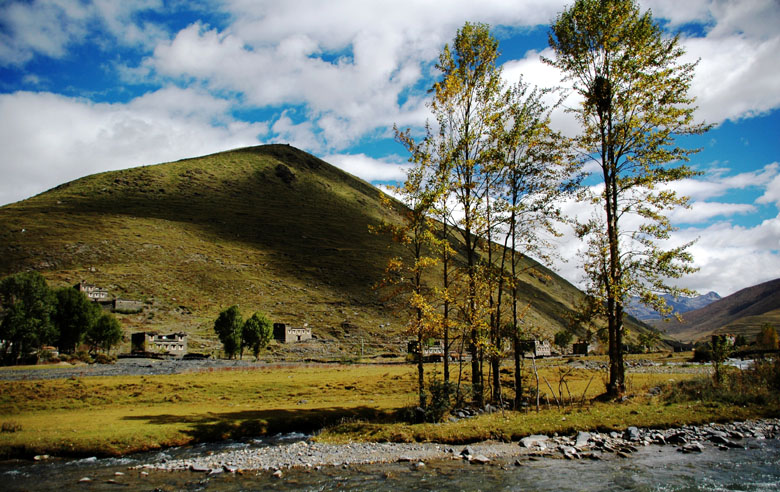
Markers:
point(228, 327)
point(256, 333)
point(104, 333)
point(74, 316)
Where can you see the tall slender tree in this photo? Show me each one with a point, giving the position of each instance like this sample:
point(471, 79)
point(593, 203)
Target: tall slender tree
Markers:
point(538, 172)
point(404, 279)
point(635, 102)
point(466, 102)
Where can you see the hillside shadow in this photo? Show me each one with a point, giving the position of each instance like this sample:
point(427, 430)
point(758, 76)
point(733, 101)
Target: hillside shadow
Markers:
point(315, 221)
point(211, 427)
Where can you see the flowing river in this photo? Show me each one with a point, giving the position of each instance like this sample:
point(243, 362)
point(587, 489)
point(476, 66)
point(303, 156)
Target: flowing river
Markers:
point(755, 466)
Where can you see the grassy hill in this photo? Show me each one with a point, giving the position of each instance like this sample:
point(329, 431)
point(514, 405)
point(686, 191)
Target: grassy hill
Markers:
point(743, 312)
point(269, 228)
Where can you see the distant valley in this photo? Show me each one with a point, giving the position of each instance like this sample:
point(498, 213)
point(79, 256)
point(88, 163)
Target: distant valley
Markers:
point(743, 312)
point(678, 304)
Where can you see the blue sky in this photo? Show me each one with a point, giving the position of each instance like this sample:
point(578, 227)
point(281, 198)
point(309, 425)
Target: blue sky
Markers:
point(94, 86)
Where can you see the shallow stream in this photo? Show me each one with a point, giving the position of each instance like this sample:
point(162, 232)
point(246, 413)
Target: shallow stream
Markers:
point(756, 467)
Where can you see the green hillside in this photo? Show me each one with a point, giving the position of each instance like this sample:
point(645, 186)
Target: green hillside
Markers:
point(269, 228)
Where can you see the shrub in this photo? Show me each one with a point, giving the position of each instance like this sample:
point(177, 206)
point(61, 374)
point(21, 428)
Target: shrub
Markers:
point(759, 384)
point(81, 356)
point(10, 427)
point(702, 353)
point(441, 400)
point(46, 356)
point(105, 359)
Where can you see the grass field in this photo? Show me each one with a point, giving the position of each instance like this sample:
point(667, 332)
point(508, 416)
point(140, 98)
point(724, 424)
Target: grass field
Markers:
point(119, 415)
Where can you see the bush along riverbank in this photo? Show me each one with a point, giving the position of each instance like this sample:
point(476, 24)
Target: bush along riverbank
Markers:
point(582, 445)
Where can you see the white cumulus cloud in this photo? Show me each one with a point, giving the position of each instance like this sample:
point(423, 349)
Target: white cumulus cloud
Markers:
point(48, 139)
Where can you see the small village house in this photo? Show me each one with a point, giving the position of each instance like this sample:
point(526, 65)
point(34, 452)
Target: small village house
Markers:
point(154, 343)
point(581, 348)
point(93, 292)
point(288, 334)
point(536, 348)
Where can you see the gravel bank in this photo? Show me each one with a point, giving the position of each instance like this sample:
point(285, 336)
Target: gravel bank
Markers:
point(151, 367)
point(134, 367)
point(584, 445)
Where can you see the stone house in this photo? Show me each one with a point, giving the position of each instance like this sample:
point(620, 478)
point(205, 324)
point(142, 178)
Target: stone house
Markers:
point(581, 348)
point(126, 306)
point(536, 348)
point(93, 292)
point(287, 334)
point(154, 343)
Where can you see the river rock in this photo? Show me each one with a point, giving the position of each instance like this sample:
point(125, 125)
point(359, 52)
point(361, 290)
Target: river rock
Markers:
point(479, 459)
point(582, 440)
point(720, 440)
point(632, 434)
point(658, 439)
point(677, 438)
point(534, 440)
point(693, 447)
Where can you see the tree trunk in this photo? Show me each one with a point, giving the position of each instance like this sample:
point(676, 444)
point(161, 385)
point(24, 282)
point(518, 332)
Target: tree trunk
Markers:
point(446, 285)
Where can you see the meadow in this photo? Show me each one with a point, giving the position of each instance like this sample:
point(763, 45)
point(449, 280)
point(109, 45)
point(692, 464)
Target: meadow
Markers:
point(105, 416)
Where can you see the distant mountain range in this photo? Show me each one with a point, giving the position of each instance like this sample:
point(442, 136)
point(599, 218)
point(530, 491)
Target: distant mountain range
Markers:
point(743, 312)
point(679, 305)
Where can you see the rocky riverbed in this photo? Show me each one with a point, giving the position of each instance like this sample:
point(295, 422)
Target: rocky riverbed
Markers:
point(584, 445)
point(151, 367)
